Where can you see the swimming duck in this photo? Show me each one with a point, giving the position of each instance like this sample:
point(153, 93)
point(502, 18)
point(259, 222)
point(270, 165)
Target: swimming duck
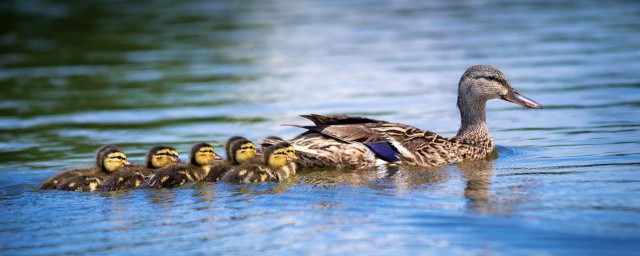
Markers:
point(358, 142)
point(133, 176)
point(201, 155)
point(239, 150)
point(109, 159)
point(274, 168)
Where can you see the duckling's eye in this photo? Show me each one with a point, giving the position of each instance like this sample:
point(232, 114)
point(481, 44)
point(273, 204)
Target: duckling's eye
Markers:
point(247, 147)
point(207, 151)
point(164, 154)
point(118, 157)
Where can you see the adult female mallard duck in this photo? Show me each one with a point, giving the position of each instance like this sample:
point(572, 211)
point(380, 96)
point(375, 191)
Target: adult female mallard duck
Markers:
point(274, 168)
point(109, 159)
point(239, 150)
point(134, 175)
point(358, 142)
point(200, 156)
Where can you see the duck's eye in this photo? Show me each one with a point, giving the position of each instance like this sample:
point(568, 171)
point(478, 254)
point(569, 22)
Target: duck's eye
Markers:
point(118, 157)
point(206, 151)
point(164, 154)
point(247, 147)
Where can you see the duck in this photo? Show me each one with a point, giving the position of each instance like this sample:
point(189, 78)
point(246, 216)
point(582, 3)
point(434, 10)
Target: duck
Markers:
point(353, 142)
point(200, 157)
point(109, 160)
point(239, 150)
point(273, 168)
point(134, 175)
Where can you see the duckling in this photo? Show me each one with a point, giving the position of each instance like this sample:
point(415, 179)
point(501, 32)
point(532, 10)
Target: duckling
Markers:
point(239, 151)
point(290, 168)
point(133, 176)
point(201, 155)
point(109, 160)
point(273, 169)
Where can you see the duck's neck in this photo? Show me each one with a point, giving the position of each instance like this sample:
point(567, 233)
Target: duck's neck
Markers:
point(473, 125)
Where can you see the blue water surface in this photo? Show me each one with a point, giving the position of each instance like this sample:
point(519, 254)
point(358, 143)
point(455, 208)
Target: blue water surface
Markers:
point(75, 75)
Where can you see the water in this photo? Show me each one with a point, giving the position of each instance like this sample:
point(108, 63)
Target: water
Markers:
point(77, 74)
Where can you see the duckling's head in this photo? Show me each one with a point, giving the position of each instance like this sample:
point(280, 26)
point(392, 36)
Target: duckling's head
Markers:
point(268, 141)
point(202, 154)
point(110, 158)
point(278, 155)
point(227, 146)
point(482, 82)
point(241, 150)
point(161, 156)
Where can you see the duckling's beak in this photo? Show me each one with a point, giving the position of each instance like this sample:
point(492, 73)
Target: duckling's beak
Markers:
point(517, 98)
point(177, 160)
point(127, 163)
point(289, 159)
point(217, 157)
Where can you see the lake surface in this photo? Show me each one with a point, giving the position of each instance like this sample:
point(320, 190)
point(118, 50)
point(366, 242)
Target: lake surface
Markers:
point(79, 74)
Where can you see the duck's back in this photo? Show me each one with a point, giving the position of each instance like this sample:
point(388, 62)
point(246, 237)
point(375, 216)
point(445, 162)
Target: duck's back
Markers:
point(218, 169)
point(87, 181)
point(130, 178)
point(62, 177)
point(357, 142)
point(176, 175)
point(249, 173)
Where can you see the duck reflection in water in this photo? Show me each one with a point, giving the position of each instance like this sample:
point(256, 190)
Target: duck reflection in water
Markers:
point(475, 175)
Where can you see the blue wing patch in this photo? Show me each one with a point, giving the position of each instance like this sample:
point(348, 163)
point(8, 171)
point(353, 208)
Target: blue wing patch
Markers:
point(384, 150)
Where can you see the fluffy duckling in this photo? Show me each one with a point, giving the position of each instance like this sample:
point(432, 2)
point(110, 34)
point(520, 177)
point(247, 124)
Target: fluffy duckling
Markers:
point(133, 176)
point(291, 166)
point(239, 151)
point(275, 167)
point(201, 155)
point(109, 159)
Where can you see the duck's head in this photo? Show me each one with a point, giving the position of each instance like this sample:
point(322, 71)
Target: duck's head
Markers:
point(279, 155)
point(241, 150)
point(227, 146)
point(110, 159)
point(483, 82)
point(161, 156)
point(202, 154)
point(266, 142)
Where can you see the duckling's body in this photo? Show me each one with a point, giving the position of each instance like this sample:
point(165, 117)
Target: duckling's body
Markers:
point(357, 142)
point(134, 176)
point(239, 150)
point(276, 166)
point(196, 170)
point(109, 160)
point(250, 173)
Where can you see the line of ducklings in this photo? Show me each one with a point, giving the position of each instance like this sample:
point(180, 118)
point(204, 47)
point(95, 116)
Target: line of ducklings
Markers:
point(164, 169)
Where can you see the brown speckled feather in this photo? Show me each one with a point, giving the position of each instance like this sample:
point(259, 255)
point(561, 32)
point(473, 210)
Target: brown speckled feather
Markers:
point(334, 144)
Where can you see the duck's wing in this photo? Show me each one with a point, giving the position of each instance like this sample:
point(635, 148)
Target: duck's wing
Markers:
point(218, 169)
point(81, 183)
point(169, 177)
point(339, 119)
point(127, 179)
point(59, 178)
point(389, 141)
